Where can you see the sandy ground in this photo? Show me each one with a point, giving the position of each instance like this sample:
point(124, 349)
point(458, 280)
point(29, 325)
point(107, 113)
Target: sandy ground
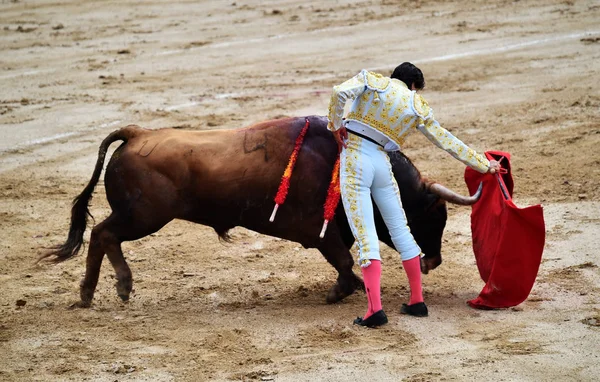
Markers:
point(519, 76)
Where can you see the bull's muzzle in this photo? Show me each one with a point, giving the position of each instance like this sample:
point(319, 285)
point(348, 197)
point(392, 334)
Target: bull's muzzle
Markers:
point(429, 264)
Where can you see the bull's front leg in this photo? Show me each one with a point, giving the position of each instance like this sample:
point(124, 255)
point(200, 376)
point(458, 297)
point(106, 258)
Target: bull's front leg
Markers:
point(338, 255)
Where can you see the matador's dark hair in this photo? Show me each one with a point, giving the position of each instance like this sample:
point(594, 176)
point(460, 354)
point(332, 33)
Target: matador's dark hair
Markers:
point(409, 74)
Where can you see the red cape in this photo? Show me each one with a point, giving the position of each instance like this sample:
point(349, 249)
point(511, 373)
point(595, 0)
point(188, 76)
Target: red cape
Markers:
point(507, 241)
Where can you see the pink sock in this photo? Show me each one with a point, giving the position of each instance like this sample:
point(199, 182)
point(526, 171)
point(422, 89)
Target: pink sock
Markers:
point(412, 268)
point(372, 278)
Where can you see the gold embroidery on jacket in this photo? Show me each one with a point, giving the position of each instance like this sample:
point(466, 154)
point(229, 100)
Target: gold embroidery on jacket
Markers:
point(388, 106)
point(376, 81)
point(421, 106)
point(352, 172)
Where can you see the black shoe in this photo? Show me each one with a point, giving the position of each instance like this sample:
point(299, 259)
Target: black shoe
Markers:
point(376, 319)
point(418, 310)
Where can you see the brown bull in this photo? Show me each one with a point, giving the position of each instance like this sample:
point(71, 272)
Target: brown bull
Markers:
point(228, 178)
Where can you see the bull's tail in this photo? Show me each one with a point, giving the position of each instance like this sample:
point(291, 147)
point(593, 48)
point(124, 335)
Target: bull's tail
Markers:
point(80, 211)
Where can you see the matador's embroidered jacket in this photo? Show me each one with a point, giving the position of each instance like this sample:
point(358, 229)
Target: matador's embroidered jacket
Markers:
point(388, 106)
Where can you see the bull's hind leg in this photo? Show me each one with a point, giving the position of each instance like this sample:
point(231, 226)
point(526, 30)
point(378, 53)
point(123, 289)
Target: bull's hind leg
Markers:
point(112, 246)
point(107, 238)
point(93, 263)
point(338, 255)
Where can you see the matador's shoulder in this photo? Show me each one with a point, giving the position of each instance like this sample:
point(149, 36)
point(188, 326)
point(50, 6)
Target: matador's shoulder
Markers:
point(421, 107)
point(376, 81)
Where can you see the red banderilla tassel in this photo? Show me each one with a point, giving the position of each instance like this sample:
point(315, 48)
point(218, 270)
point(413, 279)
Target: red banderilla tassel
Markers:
point(287, 174)
point(333, 196)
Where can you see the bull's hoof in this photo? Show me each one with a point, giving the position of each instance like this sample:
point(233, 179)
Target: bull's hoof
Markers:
point(344, 288)
point(86, 297)
point(80, 305)
point(334, 295)
point(124, 287)
point(337, 294)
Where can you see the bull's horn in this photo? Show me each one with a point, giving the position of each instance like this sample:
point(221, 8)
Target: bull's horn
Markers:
point(452, 197)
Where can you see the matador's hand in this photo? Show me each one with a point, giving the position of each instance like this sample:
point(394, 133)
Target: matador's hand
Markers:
point(494, 167)
point(340, 137)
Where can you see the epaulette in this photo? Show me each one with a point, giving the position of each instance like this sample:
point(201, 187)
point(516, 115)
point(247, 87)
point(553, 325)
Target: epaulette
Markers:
point(421, 107)
point(376, 81)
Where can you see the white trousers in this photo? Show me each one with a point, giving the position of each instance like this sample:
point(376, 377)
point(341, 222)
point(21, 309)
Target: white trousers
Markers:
point(365, 171)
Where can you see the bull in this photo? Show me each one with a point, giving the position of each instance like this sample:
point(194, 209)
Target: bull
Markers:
point(228, 178)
